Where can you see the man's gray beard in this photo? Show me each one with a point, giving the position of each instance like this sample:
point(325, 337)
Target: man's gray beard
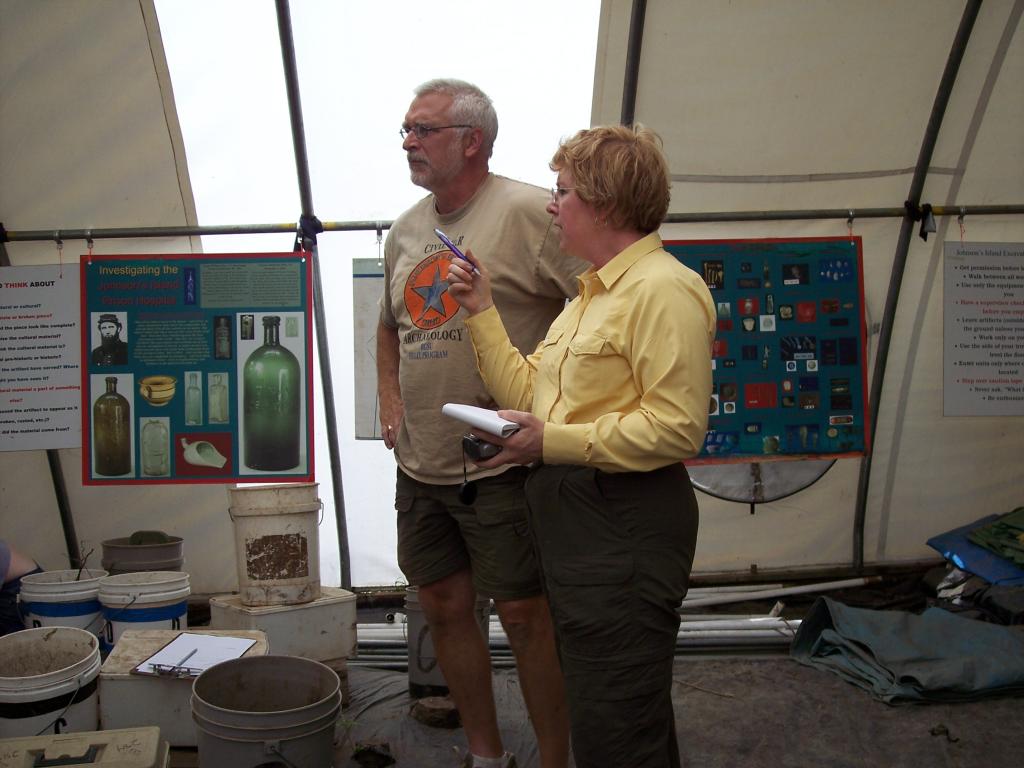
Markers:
point(453, 165)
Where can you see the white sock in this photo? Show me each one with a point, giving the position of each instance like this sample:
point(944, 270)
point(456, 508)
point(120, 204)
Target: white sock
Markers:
point(491, 762)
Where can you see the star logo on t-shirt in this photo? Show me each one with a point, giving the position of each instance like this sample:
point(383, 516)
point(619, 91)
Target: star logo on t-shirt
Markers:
point(426, 292)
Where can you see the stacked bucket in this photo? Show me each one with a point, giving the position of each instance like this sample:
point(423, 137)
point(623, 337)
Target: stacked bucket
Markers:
point(277, 545)
point(280, 709)
point(73, 618)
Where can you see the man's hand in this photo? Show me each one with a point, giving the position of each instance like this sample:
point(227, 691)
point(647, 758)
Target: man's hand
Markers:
point(392, 407)
point(392, 410)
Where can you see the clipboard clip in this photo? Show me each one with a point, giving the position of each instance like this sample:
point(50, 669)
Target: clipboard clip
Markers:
point(175, 670)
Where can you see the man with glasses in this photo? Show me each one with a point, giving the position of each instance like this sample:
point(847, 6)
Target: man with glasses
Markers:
point(464, 532)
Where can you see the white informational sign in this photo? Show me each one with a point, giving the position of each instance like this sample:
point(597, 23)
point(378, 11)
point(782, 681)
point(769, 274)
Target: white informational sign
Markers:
point(983, 329)
point(367, 287)
point(40, 380)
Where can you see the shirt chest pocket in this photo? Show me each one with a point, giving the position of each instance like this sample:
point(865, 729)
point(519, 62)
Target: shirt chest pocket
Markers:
point(588, 345)
point(595, 360)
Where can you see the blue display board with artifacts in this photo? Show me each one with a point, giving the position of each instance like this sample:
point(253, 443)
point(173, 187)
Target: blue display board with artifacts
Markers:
point(196, 368)
point(789, 354)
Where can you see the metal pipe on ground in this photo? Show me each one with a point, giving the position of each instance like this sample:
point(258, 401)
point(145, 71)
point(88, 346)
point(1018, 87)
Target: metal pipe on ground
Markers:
point(769, 593)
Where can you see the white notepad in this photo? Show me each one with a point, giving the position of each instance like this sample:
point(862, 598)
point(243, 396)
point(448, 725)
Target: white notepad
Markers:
point(481, 418)
point(190, 654)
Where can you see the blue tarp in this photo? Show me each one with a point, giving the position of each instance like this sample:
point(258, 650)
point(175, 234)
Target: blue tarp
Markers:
point(902, 657)
point(967, 556)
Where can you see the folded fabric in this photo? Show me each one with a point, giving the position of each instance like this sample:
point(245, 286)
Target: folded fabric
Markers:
point(902, 657)
point(1004, 536)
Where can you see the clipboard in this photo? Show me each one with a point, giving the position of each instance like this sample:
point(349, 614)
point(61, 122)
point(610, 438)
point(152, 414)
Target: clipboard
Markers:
point(190, 654)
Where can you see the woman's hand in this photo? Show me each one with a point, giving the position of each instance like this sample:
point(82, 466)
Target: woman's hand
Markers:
point(470, 285)
point(524, 447)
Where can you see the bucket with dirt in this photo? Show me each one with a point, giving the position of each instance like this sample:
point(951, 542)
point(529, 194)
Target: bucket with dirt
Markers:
point(277, 544)
point(48, 682)
point(266, 710)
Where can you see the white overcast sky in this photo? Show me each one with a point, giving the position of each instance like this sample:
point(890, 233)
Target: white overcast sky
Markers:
point(358, 63)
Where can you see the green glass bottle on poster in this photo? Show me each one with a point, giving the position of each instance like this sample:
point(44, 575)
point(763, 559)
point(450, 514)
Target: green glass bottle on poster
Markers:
point(218, 400)
point(111, 431)
point(154, 448)
point(271, 392)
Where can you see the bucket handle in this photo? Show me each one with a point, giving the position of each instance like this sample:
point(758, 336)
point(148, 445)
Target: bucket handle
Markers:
point(107, 628)
point(319, 522)
point(60, 718)
point(274, 748)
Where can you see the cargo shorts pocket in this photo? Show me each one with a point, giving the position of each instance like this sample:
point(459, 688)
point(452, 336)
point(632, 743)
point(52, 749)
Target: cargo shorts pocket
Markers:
point(591, 600)
point(502, 502)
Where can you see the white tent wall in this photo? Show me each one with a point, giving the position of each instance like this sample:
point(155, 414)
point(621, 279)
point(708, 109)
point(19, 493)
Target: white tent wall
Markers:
point(89, 138)
point(793, 105)
point(763, 106)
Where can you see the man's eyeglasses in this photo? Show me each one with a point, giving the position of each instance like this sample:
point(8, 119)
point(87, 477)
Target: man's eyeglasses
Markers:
point(422, 131)
point(557, 193)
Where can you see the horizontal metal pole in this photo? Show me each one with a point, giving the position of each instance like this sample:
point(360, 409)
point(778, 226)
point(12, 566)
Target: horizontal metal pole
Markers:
point(110, 233)
point(840, 213)
point(769, 593)
point(115, 233)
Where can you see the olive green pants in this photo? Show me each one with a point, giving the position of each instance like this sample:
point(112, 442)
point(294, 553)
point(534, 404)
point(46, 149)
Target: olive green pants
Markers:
point(615, 553)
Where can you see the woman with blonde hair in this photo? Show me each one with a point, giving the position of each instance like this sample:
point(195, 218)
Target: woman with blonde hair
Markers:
point(609, 404)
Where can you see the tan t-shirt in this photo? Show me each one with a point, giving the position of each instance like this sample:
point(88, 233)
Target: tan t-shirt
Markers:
point(508, 229)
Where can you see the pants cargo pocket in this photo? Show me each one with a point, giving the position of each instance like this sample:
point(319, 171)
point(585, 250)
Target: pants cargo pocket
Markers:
point(591, 600)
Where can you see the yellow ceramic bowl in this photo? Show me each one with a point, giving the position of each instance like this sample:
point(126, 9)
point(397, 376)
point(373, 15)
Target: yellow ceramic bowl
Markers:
point(157, 390)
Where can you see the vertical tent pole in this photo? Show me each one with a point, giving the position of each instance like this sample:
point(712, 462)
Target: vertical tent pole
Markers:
point(309, 227)
point(924, 158)
point(636, 39)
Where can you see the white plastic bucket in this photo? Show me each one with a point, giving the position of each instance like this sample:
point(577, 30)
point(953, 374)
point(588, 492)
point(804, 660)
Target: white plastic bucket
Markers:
point(48, 682)
point(62, 599)
point(266, 710)
point(425, 676)
point(143, 600)
point(277, 543)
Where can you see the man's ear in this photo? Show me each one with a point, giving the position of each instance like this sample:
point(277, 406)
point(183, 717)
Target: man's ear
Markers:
point(474, 142)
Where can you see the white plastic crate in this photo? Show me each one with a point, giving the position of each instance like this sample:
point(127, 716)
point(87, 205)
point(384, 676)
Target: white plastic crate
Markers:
point(322, 630)
point(130, 748)
point(131, 700)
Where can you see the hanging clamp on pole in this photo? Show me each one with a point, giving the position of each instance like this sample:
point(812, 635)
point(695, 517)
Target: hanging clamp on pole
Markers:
point(309, 227)
point(924, 215)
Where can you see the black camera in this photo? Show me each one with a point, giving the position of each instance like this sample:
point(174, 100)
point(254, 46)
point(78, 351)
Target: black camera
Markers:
point(477, 449)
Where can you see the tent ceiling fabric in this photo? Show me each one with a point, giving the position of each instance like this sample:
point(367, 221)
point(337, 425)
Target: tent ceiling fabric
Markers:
point(90, 79)
point(792, 105)
point(763, 106)
point(90, 138)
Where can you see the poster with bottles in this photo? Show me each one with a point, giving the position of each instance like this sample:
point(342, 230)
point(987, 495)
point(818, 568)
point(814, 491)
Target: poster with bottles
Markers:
point(196, 368)
point(789, 356)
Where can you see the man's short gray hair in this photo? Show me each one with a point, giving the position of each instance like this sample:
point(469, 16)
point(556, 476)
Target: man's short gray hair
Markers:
point(470, 106)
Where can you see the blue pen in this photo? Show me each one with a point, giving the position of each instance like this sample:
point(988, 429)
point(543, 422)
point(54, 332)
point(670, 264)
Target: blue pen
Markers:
point(451, 247)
